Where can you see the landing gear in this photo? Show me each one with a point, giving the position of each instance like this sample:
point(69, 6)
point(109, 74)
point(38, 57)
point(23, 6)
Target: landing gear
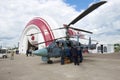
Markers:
point(49, 61)
point(4, 56)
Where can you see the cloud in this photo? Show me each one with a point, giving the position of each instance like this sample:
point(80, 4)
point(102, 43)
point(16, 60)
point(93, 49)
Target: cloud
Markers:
point(15, 14)
point(104, 22)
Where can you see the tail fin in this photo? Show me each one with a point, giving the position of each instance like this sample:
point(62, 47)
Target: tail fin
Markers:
point(89, 43)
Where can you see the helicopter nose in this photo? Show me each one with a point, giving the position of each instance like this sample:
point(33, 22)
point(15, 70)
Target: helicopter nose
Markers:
point(41, 52)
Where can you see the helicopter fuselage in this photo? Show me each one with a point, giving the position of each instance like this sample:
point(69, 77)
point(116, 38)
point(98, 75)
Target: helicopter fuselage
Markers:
point(54, 49)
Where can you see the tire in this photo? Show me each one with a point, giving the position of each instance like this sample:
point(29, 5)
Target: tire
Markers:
point(4, 56)
point(50, 62)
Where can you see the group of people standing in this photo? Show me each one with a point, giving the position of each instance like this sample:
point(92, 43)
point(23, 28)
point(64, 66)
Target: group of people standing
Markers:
point(74, 54)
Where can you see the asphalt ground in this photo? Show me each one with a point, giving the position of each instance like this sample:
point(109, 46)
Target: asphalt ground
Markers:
point(93, 67)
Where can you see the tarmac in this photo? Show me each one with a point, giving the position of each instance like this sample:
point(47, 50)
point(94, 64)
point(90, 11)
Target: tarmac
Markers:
point(93, 67)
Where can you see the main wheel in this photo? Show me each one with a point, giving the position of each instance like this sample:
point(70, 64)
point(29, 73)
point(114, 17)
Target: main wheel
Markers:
point(50, 62)
point(4, 56)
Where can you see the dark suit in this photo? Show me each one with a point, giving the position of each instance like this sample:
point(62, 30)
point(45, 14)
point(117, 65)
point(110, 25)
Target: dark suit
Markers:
point(74, 53)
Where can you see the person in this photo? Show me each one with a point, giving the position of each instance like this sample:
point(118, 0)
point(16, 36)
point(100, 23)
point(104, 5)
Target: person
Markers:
point(74, 53)
point(12, 55)
point(80, 56)
point(30, 51)
point(27, 52)
point(17, 51)
point(62, 54)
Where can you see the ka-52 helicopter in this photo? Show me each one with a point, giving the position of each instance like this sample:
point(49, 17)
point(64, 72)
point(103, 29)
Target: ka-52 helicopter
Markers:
point(52, 50)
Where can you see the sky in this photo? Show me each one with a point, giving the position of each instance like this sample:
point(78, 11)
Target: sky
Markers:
point(104, 22)
point(80, 4)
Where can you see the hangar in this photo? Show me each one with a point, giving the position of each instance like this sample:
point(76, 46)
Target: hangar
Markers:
point(39, 30)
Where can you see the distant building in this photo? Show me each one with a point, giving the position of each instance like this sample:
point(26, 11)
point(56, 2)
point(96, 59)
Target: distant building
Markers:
point(103, 48)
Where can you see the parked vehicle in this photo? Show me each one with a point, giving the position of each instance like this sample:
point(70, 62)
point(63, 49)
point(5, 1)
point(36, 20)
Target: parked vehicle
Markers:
point(3, 53)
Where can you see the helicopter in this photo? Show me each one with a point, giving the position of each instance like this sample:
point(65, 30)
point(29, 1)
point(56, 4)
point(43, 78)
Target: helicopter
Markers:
point(53, 50)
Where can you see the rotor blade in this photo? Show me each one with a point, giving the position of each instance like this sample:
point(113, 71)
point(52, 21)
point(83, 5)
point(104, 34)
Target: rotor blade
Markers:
point(80, 30)
point(43, 42)
point(90, 9)
point(58, 28)
point(49, 41)
point(45, 31)
point(88, 39)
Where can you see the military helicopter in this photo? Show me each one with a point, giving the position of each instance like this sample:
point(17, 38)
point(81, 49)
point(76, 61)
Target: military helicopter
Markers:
point(52, 50)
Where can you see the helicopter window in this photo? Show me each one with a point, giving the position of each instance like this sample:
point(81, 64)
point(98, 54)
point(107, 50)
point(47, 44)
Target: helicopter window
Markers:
point(52, 45)
point(75, 43)
point(57, 44)
point(64, 44)
point(61, 43)
point(69, 43)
